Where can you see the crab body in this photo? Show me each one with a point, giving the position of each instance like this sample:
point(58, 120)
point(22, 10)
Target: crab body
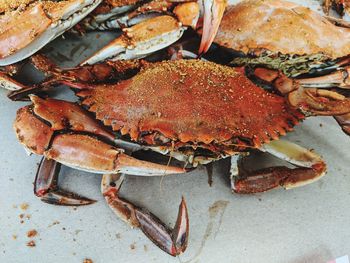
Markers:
point(160, 114)
point(283, 36)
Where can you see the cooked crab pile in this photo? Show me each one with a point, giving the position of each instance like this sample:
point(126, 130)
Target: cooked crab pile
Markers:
point(191, 110)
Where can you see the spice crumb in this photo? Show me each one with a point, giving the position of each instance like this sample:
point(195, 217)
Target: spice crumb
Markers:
point(132, 246)
point(118, 236)
point(24, 206)
point(87, 260)
point(54, 223)
point(32, 233)
point(14, 237)
point(31, 243)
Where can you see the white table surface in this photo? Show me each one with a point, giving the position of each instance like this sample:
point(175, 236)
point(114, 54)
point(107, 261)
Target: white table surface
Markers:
point(308, 224)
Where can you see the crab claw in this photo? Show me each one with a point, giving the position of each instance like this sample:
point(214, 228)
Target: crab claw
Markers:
point(312, 101)
point(310, 168)
point(213, 13)
point(319, 102)
point(46, 188)
point(172, 241)
point(68, 135)
point(141, 40)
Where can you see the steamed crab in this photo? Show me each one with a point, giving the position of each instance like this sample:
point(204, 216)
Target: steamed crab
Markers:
point(194, 111)
point(289, 38)
point(27, 26)
point(284, 36)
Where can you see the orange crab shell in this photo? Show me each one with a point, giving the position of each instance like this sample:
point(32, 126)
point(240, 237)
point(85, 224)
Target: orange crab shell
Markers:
point(268, 25)
point(191, 102)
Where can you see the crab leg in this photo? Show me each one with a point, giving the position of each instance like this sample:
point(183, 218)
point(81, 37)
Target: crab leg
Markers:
point(109, 71)
point(141, 40)
point(311, 167)
point(172, 241)
point(339, 78)
point(115, 19)
point(158, 32)
point(46, 188)
point(213, 13)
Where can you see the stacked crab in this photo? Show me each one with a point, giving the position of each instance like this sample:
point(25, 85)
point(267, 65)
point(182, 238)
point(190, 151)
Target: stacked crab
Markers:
point(302, 55)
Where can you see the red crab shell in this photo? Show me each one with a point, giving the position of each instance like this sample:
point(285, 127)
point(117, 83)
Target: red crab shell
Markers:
point(191, 102)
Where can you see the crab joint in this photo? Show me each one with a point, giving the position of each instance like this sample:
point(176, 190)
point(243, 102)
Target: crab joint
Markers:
point(172, 241)
point(46, 188)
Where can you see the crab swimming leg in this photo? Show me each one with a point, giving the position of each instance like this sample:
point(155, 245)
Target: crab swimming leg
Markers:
point(172, 241)
point(63, 132)
point(310, 167)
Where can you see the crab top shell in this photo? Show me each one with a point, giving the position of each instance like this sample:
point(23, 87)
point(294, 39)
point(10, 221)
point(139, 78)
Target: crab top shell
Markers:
point(281, 27)
point(191, 102)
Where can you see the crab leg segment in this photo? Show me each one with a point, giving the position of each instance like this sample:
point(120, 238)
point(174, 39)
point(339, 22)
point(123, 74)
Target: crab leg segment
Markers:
point(46, 188)
point(23, 34)
point(141, 40)
point(9, 83)
point(339, 78)
point(310, 168)
point(172, 241)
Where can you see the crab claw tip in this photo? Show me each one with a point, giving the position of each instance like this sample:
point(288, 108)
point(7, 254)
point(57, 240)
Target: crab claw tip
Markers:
point(213, 13)
point(133, 166)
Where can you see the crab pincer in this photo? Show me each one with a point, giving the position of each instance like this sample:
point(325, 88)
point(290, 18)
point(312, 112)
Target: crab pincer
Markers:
point(172, 241)
point(312, 95)
point(160, 31)
point(310, 167)
point(46, 188)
